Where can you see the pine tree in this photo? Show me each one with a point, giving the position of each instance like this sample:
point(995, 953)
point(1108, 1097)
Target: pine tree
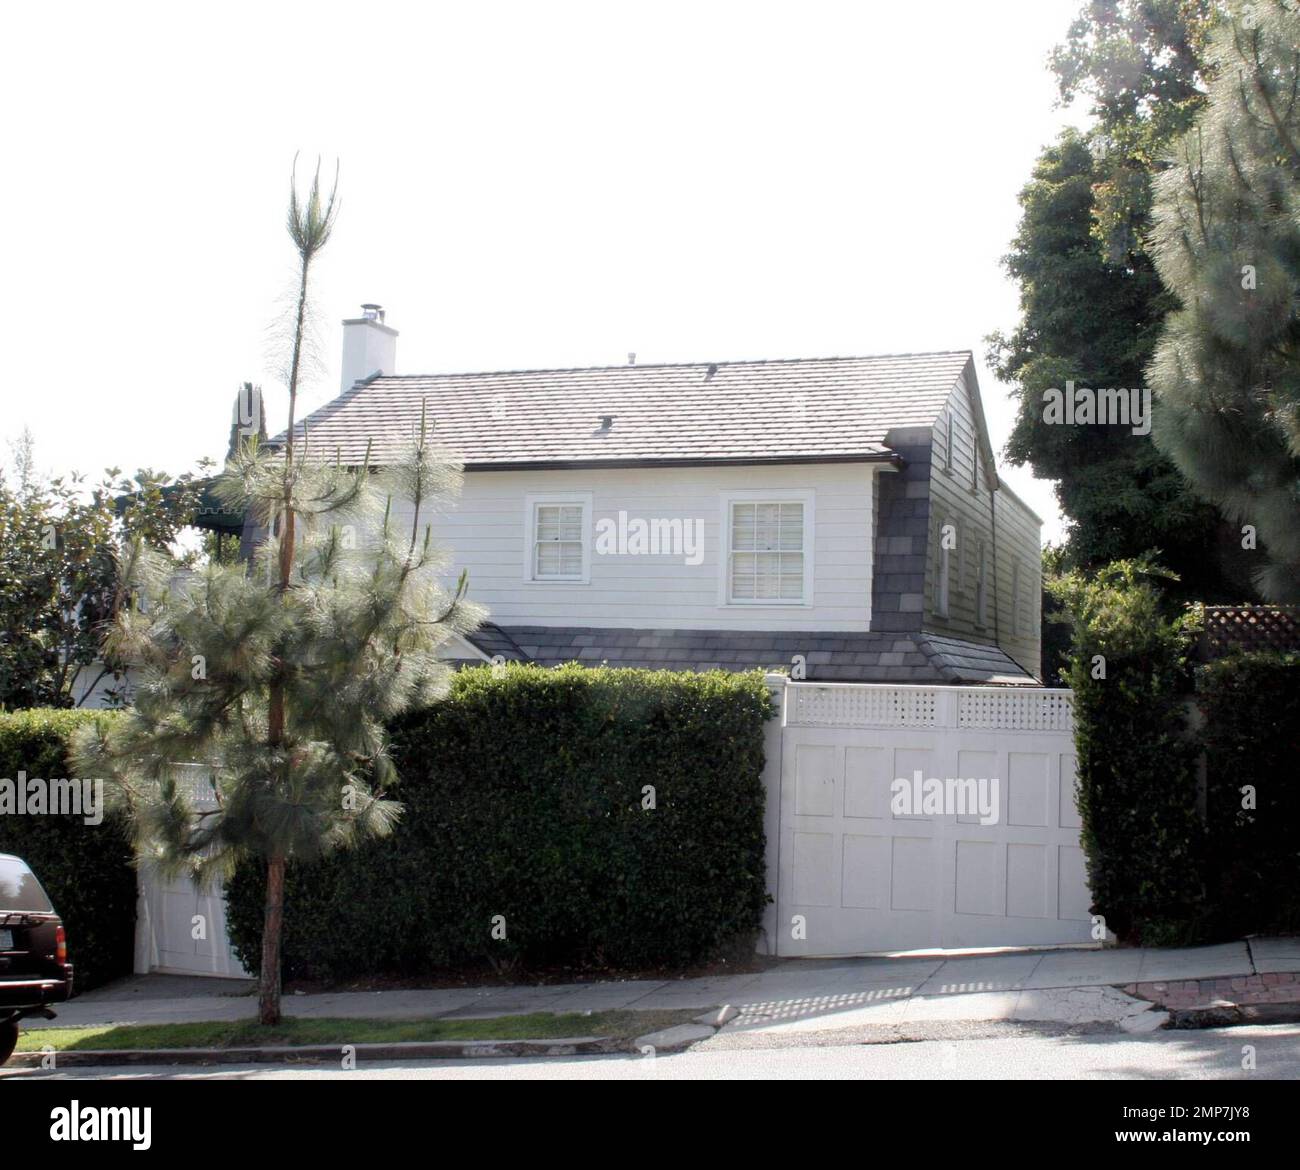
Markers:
point(1227, 242)
point(281, 675)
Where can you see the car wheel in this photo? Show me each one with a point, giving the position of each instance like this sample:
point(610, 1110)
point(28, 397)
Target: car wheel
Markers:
point(8, 1039)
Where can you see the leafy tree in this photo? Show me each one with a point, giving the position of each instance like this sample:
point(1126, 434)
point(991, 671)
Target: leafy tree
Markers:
point(59, 587)
point(1142, 66)
point(1227, 243)
point(281, 676)
point(1092, 302)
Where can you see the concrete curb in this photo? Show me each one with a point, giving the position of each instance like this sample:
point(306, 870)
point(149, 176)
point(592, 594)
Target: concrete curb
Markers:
point(674, 1039)
point(331, 1053)
point(680, 1037)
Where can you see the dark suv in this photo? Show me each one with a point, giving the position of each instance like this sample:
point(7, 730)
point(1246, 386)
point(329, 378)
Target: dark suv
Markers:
point(34, 967)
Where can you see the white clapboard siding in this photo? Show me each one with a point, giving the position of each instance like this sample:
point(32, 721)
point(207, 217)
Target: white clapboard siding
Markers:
point(486, 534)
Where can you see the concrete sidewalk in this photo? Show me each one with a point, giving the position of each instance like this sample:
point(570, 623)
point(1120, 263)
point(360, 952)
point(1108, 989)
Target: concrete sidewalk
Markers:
point(1075, 986)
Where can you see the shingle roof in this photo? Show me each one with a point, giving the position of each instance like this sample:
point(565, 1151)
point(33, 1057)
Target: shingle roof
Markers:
point(754, 411)
point(828, 657)
point(963, 661)
point(493, 640)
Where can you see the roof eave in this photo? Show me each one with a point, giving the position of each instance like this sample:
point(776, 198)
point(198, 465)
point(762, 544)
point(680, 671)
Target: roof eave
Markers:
point(888, 457)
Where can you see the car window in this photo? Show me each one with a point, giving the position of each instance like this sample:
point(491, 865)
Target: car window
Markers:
point(19, 889)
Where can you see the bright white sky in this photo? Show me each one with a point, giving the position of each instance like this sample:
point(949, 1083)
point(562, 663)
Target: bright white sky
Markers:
point(523, 185)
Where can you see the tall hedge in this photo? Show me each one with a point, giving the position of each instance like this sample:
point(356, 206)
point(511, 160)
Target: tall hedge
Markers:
point(1251, 735)
point(524, 794)
point(1137, 788)
point(86, 869)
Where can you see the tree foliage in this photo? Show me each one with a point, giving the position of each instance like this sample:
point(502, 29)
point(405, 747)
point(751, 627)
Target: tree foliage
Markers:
point(59, 587)
point(1227, 244)
point(281, 674)
point(1142, 66)
point(1091, 300)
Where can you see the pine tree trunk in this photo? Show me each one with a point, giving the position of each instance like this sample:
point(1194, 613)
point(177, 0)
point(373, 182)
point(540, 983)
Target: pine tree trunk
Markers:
point(273, 919)
point(272, 928)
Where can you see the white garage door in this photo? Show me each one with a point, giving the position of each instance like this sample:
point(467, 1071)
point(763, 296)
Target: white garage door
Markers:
point(861, 870)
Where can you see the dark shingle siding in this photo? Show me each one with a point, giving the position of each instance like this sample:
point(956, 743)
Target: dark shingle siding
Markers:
point(840, 657)
point(902, 528)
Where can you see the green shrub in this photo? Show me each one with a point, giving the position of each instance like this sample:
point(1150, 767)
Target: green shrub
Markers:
point(1137, 789)
point(523, 798)
point(1251, 733)
point(86, 869)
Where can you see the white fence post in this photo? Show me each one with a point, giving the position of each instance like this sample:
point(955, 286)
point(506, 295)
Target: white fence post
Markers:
point(773, 742)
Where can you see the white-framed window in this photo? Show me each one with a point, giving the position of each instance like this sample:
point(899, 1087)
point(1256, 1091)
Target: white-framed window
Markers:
point(942, 574)
point(768, 540)
point(557, 537)
point(948, 423)
point(982, 587)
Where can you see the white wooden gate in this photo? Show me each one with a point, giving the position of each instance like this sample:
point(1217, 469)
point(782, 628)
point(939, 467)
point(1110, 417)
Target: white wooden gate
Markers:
point(181, 929)
point(859, 873)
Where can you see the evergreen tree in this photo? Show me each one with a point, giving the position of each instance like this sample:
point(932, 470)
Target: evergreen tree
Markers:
point(281, 675)
point(1091, 300)
point(1227, 243)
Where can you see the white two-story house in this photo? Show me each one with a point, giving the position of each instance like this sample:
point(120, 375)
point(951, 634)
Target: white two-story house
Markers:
point(841, 518)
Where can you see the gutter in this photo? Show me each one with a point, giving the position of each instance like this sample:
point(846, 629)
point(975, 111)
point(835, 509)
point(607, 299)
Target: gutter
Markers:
point(885, 457)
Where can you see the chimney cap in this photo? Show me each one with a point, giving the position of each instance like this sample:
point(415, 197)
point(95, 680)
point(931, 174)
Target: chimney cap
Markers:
point(372, 312)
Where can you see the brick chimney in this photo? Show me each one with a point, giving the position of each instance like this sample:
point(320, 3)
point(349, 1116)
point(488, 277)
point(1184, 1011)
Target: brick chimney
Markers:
point(369, 347)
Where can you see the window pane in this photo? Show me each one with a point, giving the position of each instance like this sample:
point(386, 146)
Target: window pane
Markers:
point(548, 523)
point(548, 559)
point(558, 558)
point(768, 585)
point(791, 527)
point(559, 522)
point(571, 522)
point(742, 526)
point(791, 576)
point(742, 576)
point(767, 546)
point(558, 540)
point(767, 525)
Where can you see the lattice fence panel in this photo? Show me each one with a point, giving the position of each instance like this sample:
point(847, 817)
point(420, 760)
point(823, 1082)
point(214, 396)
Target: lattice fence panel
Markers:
point(1008, 710)
point(864, 706)
point(1249, 627)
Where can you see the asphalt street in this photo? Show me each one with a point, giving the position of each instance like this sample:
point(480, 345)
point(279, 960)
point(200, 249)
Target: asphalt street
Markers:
point(1229, 1053)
